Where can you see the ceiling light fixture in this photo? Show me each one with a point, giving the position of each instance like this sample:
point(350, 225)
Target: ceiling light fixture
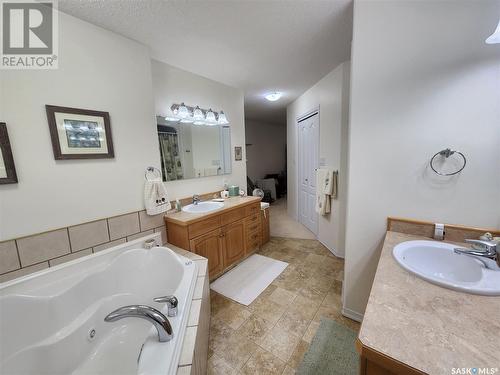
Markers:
point(273, 96)
point(495, 37)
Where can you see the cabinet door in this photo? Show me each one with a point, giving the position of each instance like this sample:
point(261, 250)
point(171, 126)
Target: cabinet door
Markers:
point(210, 246)
point(234, 242)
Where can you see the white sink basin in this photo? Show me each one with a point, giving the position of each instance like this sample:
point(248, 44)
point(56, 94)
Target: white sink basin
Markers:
point(202, 207)
point(437, 263)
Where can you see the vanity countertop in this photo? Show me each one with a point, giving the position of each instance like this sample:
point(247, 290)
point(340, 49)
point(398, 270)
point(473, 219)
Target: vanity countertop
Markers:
point(427, 327)
point(186, 218)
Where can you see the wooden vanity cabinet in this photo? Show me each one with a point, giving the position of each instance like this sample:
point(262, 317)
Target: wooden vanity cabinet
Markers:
point(265, 225)
point(224, 239)
point(233, 240)
point(210, 246)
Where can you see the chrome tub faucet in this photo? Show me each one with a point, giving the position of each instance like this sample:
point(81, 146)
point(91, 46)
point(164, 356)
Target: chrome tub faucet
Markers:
point(484, 251)
point(148, 313)
point(171, 302)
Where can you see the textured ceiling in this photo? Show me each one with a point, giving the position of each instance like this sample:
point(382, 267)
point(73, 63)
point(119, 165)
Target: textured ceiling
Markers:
point(258, 46)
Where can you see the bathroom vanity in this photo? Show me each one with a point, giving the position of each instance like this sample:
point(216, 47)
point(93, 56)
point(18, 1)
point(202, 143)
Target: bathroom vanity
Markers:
point(224, 236)
point(412, 326)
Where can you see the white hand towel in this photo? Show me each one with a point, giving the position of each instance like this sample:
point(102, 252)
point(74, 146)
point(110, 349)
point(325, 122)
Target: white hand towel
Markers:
point(327, 181)
point(322, 199)
point(155, 197)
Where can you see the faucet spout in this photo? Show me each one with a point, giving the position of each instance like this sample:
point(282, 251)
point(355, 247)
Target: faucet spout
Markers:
point(148, 313)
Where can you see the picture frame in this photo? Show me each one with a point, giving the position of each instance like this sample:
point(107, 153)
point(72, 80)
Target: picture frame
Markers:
point(238, 153)
point(8, 173)
point(79, 133)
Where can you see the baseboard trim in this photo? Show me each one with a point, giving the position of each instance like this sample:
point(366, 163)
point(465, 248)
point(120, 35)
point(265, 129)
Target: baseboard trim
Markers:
point(351, 314)
point(333, 251)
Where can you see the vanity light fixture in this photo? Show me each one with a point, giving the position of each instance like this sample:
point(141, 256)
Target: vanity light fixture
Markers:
point(273, 96)
point(222, 119)
point(210, 117)
point(495, 37)
point(198, 114)
point(181, 113)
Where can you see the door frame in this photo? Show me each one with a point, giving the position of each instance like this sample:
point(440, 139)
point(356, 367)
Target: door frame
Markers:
point(303, 116)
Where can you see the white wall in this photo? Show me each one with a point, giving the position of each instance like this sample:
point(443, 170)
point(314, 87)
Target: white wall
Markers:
point(330, 96)
point(172, 85)
point(97, 70)
point(267, 151)
point(422, 79)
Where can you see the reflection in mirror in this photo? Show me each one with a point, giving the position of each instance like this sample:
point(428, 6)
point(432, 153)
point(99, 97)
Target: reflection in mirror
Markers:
point(193, 151)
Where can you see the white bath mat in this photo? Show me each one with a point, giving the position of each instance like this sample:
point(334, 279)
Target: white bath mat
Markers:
point(248, 279)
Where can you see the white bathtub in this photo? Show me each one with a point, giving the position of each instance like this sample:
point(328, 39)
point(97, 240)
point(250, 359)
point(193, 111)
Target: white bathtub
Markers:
point(46, 318)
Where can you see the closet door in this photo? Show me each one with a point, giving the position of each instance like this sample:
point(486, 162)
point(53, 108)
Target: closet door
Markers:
point(308, 161)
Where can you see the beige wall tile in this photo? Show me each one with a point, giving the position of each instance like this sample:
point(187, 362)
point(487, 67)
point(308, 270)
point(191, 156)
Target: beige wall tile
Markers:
point(188, 346)
point(23, 271)
point(139, 235)
point(150, 222)
point(9, 260)
point(198, 289)
point(87, 235)
point(124, 225)
point(194, 313)
point(67, 258)
point(42, 247)
point(105, 246)
point(184, 370)
point(163, 231)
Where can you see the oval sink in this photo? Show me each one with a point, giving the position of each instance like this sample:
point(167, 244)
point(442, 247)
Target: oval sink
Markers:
point(202, 207)
point(437, 263)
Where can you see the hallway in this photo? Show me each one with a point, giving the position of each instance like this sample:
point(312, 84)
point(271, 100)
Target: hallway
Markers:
point(283, 225)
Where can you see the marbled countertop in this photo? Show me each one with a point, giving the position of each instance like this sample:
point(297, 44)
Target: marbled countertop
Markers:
point(185, 218)
point(425, 326)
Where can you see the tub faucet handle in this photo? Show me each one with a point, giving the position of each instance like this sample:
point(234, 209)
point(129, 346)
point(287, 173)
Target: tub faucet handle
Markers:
point(171, 302)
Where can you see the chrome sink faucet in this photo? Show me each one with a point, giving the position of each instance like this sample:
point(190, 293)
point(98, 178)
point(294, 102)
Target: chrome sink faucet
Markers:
point(484, 251)
point(196, 199)
point(148, 313)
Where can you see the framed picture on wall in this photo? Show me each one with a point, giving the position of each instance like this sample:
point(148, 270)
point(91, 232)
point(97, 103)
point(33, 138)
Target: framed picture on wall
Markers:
point(238, 153)
point(79, 133)
point(7, 168)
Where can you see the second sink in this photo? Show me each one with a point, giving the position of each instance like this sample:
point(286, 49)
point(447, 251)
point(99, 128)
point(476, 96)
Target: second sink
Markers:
point(437, 263)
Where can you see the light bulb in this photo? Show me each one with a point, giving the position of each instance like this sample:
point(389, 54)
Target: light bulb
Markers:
point(198, 114)
point(273, 96)
point(182, 111)
point(210, 117)
point(222, 118)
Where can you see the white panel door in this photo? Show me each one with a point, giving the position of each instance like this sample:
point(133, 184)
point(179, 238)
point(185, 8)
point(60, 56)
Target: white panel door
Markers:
point(308, 130)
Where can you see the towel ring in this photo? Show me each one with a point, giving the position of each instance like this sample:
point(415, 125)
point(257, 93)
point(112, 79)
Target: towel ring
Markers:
point(447, 153)
point(156, 171)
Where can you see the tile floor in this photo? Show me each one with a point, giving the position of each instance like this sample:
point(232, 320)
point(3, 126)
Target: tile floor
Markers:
point(283, 225)
point(271, 335)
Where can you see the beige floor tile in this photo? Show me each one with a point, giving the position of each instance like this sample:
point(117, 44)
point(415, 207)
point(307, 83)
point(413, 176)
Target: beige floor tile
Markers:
point(288, 371)
point(217, 366)
point(306, 306)
point(310, 332)
point(334, 313)
point(255, 328)
point(263, 363)
point(301, 349)
point(294, 321)
point(236, 350)
point(268, 310)
point(233, 315)
point(280, 342)
point(282, 297)
point(332, 299)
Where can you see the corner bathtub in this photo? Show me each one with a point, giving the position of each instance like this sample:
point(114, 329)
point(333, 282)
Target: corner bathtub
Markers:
point(52, 321)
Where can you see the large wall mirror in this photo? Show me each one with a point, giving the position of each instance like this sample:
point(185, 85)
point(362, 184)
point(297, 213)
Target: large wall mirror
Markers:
point(193, 151)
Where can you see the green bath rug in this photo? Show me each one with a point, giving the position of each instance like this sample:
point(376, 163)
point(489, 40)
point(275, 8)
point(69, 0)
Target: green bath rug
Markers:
point(332, 351)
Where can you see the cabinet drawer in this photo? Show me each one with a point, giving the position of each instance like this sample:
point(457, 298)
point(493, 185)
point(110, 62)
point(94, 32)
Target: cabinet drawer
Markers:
point(255, 236)
point(252, 209)
point(252, 228)
point(202, 227)
point(252, 219)
point(233, 216)
point(252, 245)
